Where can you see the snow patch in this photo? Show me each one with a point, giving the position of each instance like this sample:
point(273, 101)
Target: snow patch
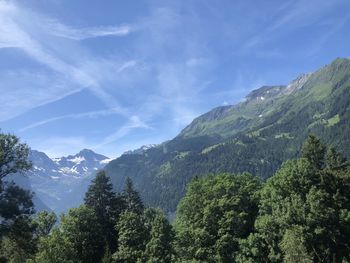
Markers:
point(77, 159)
point(105, 161)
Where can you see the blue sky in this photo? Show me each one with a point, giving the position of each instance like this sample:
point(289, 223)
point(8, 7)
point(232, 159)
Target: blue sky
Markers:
point(115, 75)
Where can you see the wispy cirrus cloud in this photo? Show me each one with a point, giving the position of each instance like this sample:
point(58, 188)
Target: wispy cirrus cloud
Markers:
point(19, 29)
point(90, 114)
point(61, 30)
point(290, 17)
point(134, 123)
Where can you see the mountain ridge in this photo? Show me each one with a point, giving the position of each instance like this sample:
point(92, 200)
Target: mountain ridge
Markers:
point(60, 183)
point(256, 136)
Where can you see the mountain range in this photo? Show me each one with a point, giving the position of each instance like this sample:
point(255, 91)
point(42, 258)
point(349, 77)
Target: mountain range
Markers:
point(255, 135)
point(60, 183)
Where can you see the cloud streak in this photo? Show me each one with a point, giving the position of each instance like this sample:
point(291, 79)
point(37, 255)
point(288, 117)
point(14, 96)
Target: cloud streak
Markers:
point(14, 34)
point(90, 114)
point(61, 30)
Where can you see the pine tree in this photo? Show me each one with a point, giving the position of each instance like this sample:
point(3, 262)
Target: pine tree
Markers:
point(107, 206)
point(132, 198)
point(314, 151)
point(333, 158)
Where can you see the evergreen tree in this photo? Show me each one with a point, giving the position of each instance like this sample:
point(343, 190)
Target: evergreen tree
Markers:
point(107, 257)
point(15, 203)
point(304, 212)
point(159, 248)
point(314, 151)
point(334, 159)
point(107, 206)
point(82, 229)
point(131, 197)
point(132, 238)
point(293, 246)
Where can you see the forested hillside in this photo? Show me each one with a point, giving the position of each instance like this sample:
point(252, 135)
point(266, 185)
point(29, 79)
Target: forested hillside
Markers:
point(254, 136)
point(299, 215)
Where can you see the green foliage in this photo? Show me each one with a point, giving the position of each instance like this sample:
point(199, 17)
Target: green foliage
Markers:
point(44, 222)
point(13, 155)
point(303, 211)
point(56, 248)
point(82, 229)
point(216, 213)
point(106, 205)
point(313, 150)
point(159, 248)
point(107, 257)
point(254, 136)
point(16, 206)
point(132, 238)
point(293, 246)
point(131, 198)
point(146, 237)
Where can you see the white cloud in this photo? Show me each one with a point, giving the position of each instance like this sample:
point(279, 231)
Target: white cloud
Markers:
point(20, 29)
point(61, 30)
point(134, 123)
point(90, 114)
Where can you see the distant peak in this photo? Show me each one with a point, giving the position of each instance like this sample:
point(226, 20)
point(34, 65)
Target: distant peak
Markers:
point(86, 151)
point(142, 149)
point(264, 92)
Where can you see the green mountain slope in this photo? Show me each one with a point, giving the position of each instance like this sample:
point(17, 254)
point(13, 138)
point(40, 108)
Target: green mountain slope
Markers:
point(256, 135)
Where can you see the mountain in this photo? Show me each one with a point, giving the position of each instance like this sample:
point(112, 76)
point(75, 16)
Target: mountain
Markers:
point(255, 135)
point(60, 183)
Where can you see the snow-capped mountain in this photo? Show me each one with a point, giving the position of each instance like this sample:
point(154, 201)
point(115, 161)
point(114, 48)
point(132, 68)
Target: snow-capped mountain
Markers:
point(60, 183)
point(142, 149)
point(81, 164)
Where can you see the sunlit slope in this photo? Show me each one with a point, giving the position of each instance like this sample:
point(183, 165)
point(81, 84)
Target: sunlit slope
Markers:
point(256, 135)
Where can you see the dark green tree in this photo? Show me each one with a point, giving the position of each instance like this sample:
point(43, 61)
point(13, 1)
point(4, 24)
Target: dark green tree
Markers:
point(216, 213)
point(13, 155)
point(314, 151)
point(293, 246)
point(107, 206)
point(16, 206)
point(159, 248)
point(82, 229)
point(44, 222)
point(132, 238)
point(334, 159)
point(304, 212)
point(56, 248)
point(131, 197)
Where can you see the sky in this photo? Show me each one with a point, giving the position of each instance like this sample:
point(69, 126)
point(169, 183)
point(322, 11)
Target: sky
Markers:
point(112, 75)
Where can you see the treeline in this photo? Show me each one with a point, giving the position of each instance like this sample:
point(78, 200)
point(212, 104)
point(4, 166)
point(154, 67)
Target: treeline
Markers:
point(301, 214)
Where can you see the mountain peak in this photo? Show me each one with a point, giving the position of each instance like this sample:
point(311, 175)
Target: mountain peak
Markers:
point(90, 154)
point(86, 151)
point(264, 92)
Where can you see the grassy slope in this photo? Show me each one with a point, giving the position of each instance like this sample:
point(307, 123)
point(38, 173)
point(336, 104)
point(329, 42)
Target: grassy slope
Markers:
point(255, 135)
